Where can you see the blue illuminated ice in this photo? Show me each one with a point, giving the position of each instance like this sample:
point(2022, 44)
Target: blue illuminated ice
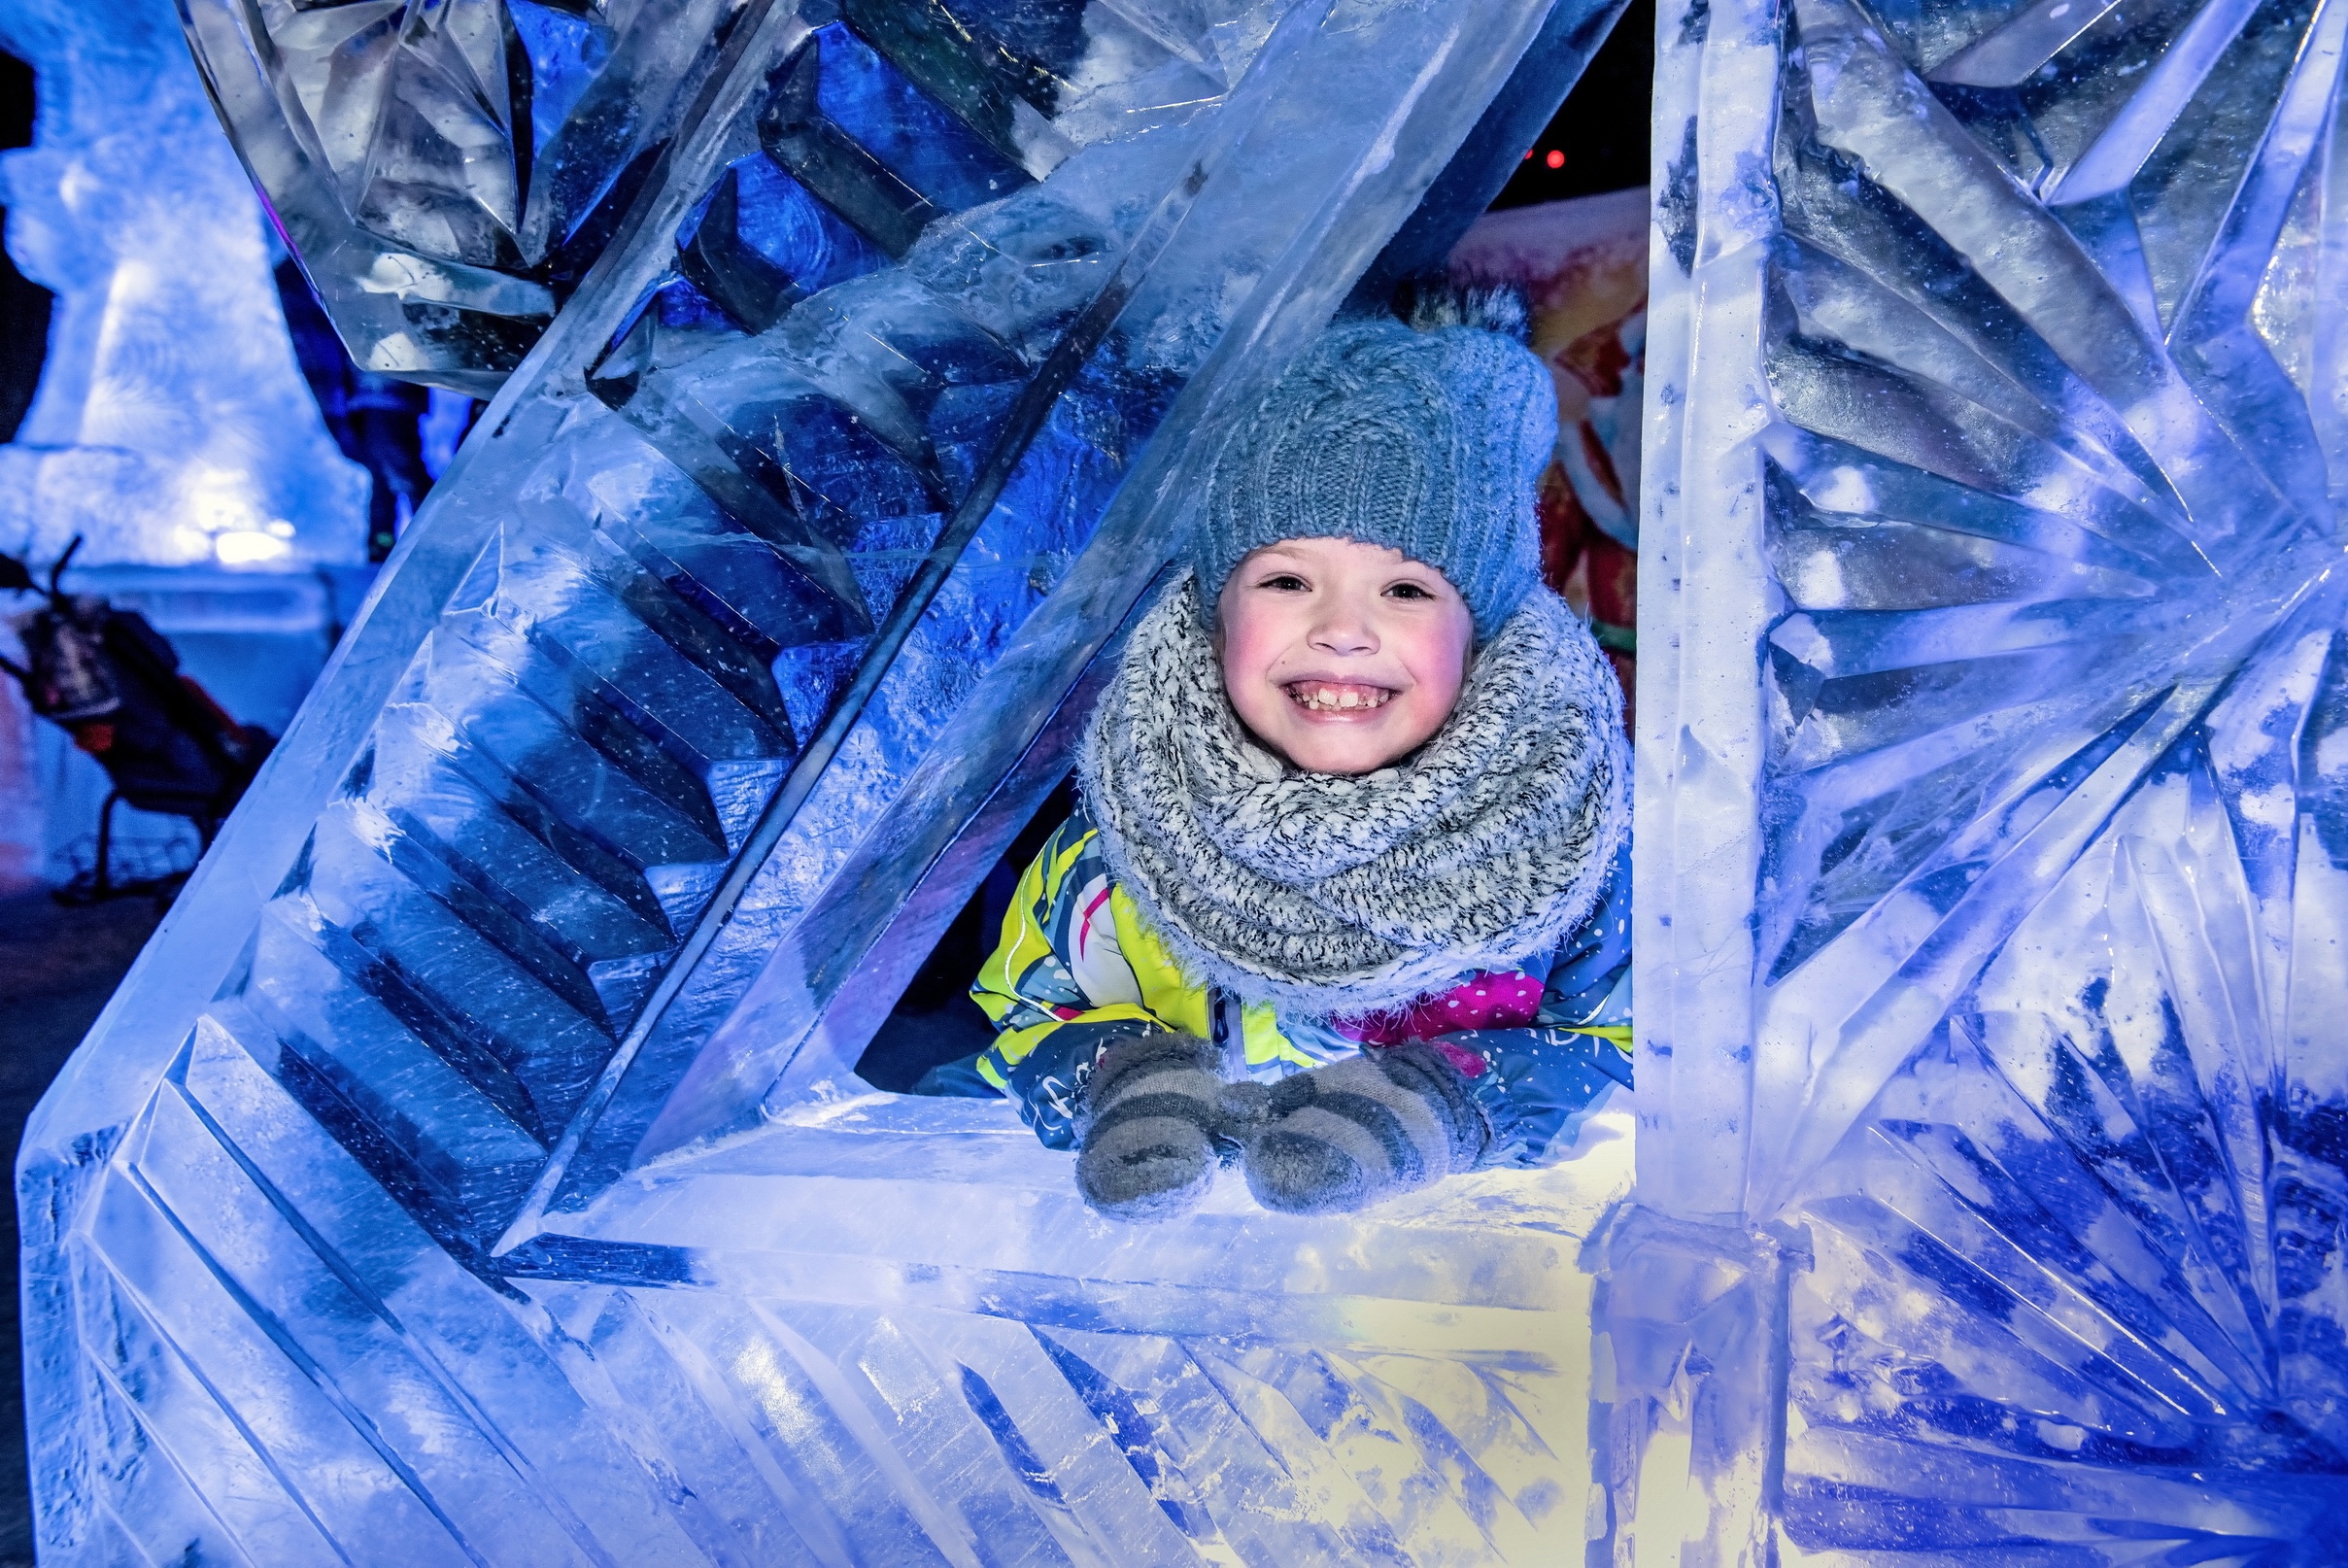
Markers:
point(475, 1168)
point(1991, 1092)
point(172, 425)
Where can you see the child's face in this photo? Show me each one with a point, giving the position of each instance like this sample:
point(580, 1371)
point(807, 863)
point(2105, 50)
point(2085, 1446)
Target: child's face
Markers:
point(1342, 656)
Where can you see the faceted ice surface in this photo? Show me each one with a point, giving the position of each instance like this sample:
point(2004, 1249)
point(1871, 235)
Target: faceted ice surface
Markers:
point(1991, 1166)
point(450, 171)
point(473, 1169)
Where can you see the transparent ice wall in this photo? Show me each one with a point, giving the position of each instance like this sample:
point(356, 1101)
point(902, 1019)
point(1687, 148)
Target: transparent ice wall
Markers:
point(1993, 886)
point(472, 1168)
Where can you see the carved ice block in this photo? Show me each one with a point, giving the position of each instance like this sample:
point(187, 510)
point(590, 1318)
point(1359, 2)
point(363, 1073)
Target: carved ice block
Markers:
point(472, 1171)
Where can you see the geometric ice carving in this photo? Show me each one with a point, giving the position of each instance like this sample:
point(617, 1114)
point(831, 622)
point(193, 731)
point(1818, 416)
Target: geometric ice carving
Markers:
point(473, 1169)
point(448, 173)
point(1993, 887)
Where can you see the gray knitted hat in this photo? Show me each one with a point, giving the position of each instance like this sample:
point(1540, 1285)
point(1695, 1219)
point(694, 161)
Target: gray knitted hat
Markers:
point(1430, 442)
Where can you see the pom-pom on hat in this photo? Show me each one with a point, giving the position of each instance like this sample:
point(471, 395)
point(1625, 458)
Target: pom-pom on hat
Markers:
point(1429, 438)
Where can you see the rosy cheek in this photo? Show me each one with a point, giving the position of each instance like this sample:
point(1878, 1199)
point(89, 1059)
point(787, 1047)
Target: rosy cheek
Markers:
point(1250, 649)
point(1243, 663)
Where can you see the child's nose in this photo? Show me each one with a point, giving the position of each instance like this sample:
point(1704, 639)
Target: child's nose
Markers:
point(1343, 632)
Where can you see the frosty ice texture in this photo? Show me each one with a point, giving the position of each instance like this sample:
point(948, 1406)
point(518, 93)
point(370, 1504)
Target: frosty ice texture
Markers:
point(472, 1169)
point(1992, 1089)
point(449, 171)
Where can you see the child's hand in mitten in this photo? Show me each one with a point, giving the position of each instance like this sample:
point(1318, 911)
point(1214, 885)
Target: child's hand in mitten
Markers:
point(1155, 1119)
point(1047, 1084)
point(1363, 1130)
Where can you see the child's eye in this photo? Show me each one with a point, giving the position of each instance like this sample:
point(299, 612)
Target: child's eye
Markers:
point(1287, 582)
point(1408, 591)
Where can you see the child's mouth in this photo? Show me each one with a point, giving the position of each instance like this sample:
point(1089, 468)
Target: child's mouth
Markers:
point(1333, 696)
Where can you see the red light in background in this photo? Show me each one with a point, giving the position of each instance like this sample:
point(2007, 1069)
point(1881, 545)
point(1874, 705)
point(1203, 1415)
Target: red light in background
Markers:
point(1556, 159)
point(1528, 154)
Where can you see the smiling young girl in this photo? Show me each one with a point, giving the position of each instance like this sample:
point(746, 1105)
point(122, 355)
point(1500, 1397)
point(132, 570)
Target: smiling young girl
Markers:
point(1348, 897)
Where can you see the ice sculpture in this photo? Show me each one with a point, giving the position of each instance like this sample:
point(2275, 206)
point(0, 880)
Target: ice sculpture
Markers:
point(471, 1169)
point(171, 426)
point(449, 172)
point(1992, 884)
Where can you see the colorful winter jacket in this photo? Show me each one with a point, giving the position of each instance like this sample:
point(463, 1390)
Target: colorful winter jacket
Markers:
point(1079, 966)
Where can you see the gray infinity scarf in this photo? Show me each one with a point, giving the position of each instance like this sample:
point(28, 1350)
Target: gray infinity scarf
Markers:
point(1333, 896)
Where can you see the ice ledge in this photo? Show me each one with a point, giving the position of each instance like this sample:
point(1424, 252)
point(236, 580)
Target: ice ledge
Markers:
point(952, 1206)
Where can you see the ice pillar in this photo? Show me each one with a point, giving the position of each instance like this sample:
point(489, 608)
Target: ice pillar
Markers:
point(1991, 877)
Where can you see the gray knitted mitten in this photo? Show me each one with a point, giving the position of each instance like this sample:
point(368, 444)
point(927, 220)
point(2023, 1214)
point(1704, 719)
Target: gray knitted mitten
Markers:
point(1149, 1131)
point(1360, 1131)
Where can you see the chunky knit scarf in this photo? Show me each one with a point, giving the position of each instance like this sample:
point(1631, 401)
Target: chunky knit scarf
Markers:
point(1333, 895)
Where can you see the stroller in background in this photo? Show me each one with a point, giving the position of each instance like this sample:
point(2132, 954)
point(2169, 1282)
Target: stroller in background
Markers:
point(112, 682)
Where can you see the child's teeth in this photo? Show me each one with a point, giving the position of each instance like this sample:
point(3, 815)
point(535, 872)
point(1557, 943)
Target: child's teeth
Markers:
point(1322, 700)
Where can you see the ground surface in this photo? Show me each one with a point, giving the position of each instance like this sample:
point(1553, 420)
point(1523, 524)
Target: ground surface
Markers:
point(57, 967)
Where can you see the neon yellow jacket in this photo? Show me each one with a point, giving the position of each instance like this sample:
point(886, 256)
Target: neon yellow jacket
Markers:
point(1080, 965)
